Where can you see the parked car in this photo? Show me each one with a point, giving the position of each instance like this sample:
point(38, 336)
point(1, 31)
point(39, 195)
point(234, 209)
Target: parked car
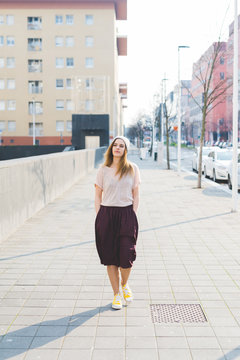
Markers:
point(215, 165)
point(230, 173)
point(195, 160)
point(69, 148)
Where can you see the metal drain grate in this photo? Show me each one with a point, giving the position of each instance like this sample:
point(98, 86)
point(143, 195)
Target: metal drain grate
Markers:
point(177, 313)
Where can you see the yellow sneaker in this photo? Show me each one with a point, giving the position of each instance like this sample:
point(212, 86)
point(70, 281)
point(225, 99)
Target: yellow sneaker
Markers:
point(117, 302)
point(127, 293)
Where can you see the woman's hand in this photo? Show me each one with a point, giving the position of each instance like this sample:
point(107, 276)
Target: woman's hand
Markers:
point(135, 193)
point(98, 198)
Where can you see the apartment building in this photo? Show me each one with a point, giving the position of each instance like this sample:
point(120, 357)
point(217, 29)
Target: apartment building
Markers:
point(58, 58)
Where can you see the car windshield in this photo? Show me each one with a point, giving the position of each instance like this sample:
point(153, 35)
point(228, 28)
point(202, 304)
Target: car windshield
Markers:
point(225, 155)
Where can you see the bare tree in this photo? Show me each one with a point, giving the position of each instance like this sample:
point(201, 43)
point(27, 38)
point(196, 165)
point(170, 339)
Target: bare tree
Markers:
point(167, 113)
point(212, 91)
point(136, 129)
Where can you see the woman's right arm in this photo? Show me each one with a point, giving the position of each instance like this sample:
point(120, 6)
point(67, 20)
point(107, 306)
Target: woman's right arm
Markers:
point(98, 198)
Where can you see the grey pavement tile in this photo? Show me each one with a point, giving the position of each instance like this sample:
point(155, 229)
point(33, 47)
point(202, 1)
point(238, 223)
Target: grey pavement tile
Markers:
point(107, 342)
point(22, 330)
point(172, 342)
point(229, 342)
point(5, 310)
point(15, 342)
point(141, 342)
point(233, 354)
point(59, 311)
point(76, 342)
point(81, 331)
point(173, 354)
point(138, 311)
point(28, 320)
point(138, 321)
point(207, 354)
point(46, 354)
point(110, 331)
point(47, 342)
point(140, 331)
point(51, 330)
point(7, 319)
point(227, 331)
point(111, 321)
point(79, 354)
point(201, 342)
point(141, 354)
point(222, 321)
point(169, 331)
point(12, 354)
point(108, 354)
point(55, 320)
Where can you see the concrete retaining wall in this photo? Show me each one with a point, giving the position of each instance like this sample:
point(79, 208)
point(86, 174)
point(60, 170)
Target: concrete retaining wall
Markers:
point(28, 184)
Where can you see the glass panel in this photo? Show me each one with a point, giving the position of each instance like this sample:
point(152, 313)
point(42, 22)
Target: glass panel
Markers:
point(89, 19)
point(11, 125)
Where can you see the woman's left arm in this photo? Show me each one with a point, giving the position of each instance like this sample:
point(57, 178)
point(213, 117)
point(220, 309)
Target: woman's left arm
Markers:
point(135, 193)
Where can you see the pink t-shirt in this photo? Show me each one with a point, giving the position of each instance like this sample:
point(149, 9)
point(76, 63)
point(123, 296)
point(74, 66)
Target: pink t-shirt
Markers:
point(117, 192)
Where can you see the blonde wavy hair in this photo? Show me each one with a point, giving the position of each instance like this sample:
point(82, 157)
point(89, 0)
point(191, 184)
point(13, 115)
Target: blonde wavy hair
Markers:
point(124, 166)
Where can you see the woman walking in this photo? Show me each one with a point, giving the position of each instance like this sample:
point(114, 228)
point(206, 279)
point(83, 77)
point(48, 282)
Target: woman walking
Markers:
point(116, 225)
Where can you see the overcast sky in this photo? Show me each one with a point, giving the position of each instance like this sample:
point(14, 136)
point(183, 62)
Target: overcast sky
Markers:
point(155, 28)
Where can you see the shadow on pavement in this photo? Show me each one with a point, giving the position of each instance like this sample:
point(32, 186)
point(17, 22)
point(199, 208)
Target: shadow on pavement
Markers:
point(231, 355)
point(212, 191)
point(19, 341)
point(47, 250)
point(186, 222)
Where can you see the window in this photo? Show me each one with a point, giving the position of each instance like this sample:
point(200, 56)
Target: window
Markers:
point(10, 62)
point(69, 83)
point(11, 125)
point(38, 129)
point(89, 105)
point(59, 125)
point(35, 107)
point(221, 60)
point(221, 75)
point(59, 62)
point(70, 62)
point(69, 105)
point(34, 65)
point(1, 40)
point(11, 105)
point(2, 125)
point(89, 83)
point(58, 19)
point(89, 62)
point(59, 41)
point(69, 41)
point(88, 41)
point(34, 44)
point(89, 19)
point(1, 62)
point(69, 19)
point(11, 84)
point(34, 23)
point(59, 104)
point(59, 83)
point(69, 125)
point(2, 84)
point(35, 87)
point(1, 19)
point(10, 40)
point(10, 20)
point(2, 105)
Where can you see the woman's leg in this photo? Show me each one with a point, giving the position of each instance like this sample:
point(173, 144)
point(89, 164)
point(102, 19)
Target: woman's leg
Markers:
point(113, 275)
point(125, 275)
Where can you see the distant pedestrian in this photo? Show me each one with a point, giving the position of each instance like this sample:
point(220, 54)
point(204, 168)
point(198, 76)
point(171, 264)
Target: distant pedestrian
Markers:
point(116, 224)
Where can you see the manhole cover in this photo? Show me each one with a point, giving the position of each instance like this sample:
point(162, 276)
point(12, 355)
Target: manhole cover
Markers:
point(177, 313)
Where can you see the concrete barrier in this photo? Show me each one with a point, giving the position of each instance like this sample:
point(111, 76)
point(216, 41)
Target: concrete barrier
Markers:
point(28, 184)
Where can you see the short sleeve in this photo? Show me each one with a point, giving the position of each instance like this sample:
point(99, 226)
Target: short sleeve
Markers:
point(137, 179)
point(99, 178)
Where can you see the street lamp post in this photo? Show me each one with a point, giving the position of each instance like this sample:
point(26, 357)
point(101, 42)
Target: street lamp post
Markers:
point(235, 112)
point(33, 115)
point(179, 107)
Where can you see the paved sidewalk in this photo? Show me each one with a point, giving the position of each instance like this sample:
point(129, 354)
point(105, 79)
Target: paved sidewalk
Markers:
point(56, 297)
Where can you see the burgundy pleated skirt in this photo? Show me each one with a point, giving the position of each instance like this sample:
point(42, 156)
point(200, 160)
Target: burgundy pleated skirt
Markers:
point(116, 231)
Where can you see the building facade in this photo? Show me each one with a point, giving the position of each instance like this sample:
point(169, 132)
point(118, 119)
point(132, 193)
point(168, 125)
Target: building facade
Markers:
point(58, 58)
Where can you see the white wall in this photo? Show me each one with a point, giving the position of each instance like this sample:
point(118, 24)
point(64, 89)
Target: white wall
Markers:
point(28, 184)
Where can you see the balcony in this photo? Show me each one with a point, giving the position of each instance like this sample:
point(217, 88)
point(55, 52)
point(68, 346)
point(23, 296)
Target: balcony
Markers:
point(34, 23)
point(34, 44)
